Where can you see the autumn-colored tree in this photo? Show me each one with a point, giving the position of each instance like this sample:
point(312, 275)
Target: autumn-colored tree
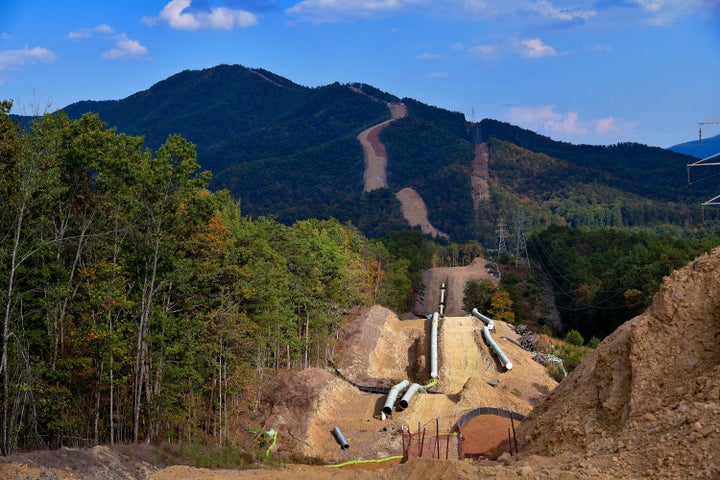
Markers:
point(501, 307)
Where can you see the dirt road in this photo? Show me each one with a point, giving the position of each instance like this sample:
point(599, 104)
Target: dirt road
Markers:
point(375, 154)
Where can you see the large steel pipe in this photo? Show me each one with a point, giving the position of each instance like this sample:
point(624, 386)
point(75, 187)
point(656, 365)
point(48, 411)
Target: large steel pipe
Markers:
point(392, 396)
point(405, 400)
point(340, 438)
point(443, 289)
point(434, 345)
point(486, 320)
point(498, 351)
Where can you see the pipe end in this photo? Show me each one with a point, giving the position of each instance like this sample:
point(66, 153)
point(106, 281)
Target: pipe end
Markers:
point(508, 366)
point(387, 410)
point(403, 404)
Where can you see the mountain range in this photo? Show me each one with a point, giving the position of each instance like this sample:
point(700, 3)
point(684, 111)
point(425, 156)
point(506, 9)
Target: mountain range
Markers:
point(699, 148)
point(292, 152)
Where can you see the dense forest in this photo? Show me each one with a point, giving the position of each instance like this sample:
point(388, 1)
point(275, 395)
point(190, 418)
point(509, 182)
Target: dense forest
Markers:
point(139, 305)
point(604, 277)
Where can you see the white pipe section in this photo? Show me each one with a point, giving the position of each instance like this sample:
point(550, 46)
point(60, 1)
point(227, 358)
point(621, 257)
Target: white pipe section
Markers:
point(392, 396)
point(405, 400)
point(487, 320)
point(434, 346)
point(503, 358)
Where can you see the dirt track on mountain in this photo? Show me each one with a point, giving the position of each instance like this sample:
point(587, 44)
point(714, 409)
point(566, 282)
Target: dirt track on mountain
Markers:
point(374, 151)
point(375, 176)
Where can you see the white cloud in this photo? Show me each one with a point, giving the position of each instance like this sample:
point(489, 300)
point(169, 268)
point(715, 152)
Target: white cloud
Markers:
point(4, 36)
point(430, 56)
point(14, 59)
point(326, 11)
point(437, 75)
point(543, 11)
point(484, 50)
point(605, 125)
point(535, 48)
point(547, 10)
point(664, 12)
point(567, 125)
point(125, 49)
point(176, 15)
point(102, 29)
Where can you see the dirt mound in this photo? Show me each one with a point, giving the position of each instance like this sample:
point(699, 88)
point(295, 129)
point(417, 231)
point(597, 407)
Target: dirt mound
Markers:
point(97, 463)
point(646, 403)
point(377, 348)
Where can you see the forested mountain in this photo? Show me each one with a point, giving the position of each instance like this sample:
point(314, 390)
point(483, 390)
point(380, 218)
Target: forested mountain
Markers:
point(291, 151)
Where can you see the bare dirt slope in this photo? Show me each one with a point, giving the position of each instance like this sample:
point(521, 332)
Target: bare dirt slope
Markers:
point(415, 212)
point(647, 401)
point(374, 151)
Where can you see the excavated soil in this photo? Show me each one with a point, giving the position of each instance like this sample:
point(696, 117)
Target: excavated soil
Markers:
point(415, 212)
point(645, 404)
point(379, 350)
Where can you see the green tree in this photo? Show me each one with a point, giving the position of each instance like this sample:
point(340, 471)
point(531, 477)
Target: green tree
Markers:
point(477, 294)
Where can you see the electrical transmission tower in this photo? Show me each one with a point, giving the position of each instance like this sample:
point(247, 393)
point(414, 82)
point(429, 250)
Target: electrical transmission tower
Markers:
point(521, 245)
point(502, 249)
point(705, 163)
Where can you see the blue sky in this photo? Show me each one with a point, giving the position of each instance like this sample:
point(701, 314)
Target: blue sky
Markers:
point(583, 71)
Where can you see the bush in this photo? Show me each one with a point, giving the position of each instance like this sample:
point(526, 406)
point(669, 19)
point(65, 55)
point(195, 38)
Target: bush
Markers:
point(573, 337)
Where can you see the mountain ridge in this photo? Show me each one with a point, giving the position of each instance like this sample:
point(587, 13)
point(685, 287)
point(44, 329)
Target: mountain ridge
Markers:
point(292, 152)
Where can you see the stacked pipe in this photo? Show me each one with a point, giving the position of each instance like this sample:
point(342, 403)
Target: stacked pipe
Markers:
point(490, 325)
point(498, 351)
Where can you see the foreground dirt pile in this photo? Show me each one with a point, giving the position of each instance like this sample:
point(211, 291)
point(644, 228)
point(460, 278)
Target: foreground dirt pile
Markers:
point(97, 463)
point(646, 403)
